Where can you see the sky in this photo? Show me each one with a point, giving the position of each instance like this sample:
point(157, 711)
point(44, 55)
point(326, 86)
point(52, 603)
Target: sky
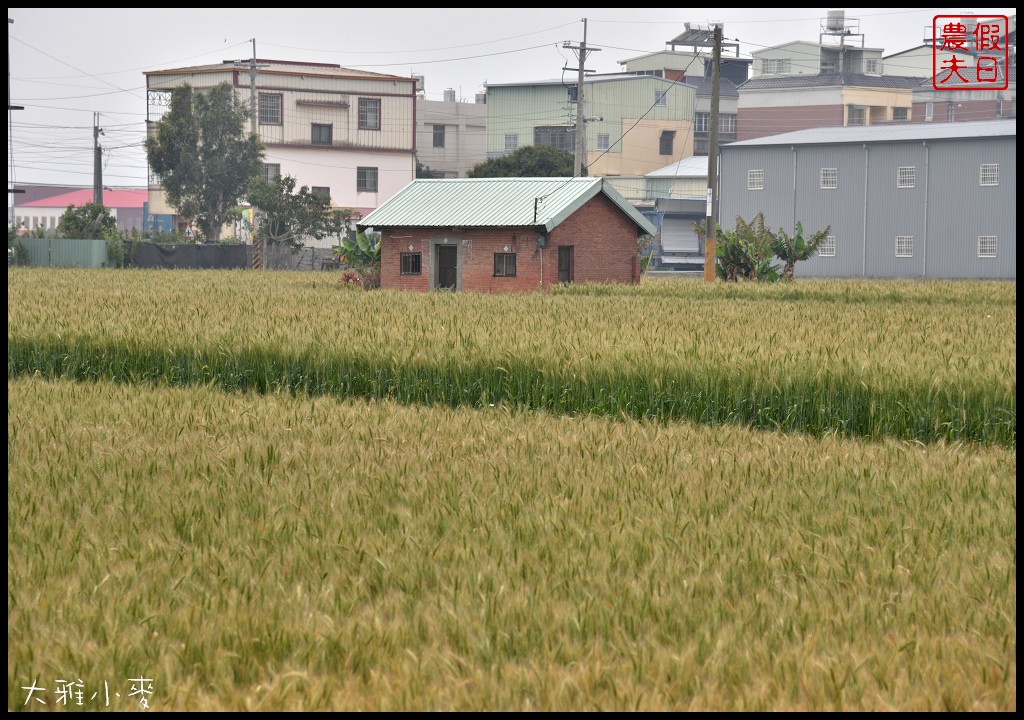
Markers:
point(73, 67)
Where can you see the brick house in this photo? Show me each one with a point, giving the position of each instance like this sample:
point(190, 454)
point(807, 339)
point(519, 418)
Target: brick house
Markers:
point(506, 234)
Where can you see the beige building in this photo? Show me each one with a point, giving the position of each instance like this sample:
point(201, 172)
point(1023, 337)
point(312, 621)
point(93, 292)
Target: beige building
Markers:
point(451, 136)
point(348, 134)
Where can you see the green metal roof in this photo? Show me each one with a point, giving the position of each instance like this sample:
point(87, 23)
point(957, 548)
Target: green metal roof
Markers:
point(495, 202)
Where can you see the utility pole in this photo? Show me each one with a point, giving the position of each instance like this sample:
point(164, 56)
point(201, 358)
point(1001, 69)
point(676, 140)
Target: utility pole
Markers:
point(97, 165)
point(710, 258)
point(13, 191)
point(580, 156)
point(254, 68)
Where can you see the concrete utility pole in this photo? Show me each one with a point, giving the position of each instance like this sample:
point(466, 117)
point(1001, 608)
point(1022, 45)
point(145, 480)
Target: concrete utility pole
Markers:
point(13, 191)
point(254, 68)
point(712, 210)
point(580, 156)
point(97, 165)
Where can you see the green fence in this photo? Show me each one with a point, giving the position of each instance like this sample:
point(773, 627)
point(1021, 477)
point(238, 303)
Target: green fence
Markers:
point(64, 252)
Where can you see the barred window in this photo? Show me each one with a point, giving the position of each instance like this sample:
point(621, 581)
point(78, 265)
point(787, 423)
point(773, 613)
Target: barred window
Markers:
point(271, 172)
point(366, 179)
point(829, 178)
point(511, 141)
point(904, 246)
point(989, 174)
point(271, 105)
point(439, 136)
point(410, 263)
point(369, 114)
point(603, 141)
point(987, 246)
point(906, 177)
point(828, 246)
point(755, 179)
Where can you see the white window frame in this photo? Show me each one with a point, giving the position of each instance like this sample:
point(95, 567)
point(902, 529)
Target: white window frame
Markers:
point(906, 177)
point(988, 174)
point(603, 141)
point(829, 178)
point(904, 246)
point(828, 246)
point(871, 67)
point(755, 179)
point(929, 112)
point(988, 246)
point(701, 122)
point(661, 98)
point(511, 142)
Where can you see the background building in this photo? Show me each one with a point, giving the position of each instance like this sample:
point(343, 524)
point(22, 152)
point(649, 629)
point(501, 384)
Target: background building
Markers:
point(912, 200)
point(348, 134)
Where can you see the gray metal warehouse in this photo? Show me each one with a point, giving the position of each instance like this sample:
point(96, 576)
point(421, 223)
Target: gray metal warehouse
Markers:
point(903, 201)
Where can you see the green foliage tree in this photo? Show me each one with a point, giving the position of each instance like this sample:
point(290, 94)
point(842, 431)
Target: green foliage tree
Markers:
point(529, 161)
point(425, 173)
point(288, 217)
point(362, 253)
point(91, 221)
point(791, 249)
point(744, 253)
point(204, 155)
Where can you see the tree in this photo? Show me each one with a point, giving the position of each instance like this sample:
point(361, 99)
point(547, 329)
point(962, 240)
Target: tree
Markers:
point(744, 252)
point(91, 221)
point(204, 155)
point(363, 254)
point(529, 161)
point(288, 217)
point(792, 249)
point(425, 173)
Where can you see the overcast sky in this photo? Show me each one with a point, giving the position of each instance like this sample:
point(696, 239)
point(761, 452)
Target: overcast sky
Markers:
point(66, 64)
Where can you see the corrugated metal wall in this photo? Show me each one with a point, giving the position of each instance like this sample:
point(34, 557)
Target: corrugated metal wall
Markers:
point(61, 252)
point(945, 211)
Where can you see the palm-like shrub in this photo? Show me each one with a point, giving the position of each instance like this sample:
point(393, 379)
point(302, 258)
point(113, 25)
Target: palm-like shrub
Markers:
point(791, 249)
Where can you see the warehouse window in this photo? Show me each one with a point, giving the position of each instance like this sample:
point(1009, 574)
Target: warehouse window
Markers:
point(989, 174)
point(661, 98)
point(829, 178)
point(602, 141)
point(511, 141)
point(755, 179)
point(439, 136)
point(987, 246)
point(906, 177)
point(904, 246)
point(828, 246)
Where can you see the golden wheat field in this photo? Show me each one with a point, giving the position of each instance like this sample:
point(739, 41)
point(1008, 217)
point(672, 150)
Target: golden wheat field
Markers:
point(257, 493)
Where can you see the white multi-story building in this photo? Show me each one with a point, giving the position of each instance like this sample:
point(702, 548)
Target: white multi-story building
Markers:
point(349, 134)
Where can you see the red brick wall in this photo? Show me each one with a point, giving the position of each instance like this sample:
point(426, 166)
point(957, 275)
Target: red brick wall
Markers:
point(604, 241)
point(755, 122)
